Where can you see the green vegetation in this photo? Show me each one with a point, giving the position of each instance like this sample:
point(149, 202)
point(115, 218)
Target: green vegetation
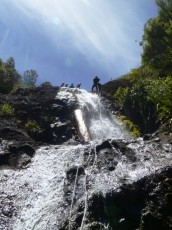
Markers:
point(121, 96)
point(133, 128)
point(6, 110)
point(45, 84)
point(30, 78)
point(8, 75)
point(146, 99)
point(160, 93)
point(10, 79)
point(157, 39)
point(32, 127)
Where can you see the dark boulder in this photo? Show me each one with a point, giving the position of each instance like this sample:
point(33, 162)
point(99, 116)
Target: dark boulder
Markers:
point(25, 148)
point(103, 145)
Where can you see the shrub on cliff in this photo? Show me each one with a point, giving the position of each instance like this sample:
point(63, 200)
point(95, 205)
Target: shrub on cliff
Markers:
point(147, 101)
point(33, 128)
point(131, 126)
point(6, 110)
point(46, 84)
point(160, 93)
point(30, 78)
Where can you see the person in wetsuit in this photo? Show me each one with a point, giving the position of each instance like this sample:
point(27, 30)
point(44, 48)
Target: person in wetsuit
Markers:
point(96, 84)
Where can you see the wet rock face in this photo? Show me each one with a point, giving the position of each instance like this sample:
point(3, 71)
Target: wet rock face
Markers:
point(107, 155)
point(103, 145)
point(16, 156)
point(53, 116)
point(157, 212)
point(121, 210)
point(103, 156)
point(74, 184)
point(144, 204)
point(25, 148)
point(106, 159)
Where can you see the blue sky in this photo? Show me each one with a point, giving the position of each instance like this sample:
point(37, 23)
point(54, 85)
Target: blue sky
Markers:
point(71, 41)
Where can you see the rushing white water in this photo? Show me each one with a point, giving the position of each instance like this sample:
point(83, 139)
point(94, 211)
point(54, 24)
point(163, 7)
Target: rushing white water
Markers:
point(148, 159)
point(100, 123)
point(38, 190)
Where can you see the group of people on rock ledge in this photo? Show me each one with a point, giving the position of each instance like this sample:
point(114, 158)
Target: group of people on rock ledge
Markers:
point(96, 85)
point(71, 86)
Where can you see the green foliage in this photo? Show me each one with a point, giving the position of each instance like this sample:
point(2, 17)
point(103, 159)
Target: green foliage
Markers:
point(135, 97)
point(32, 126)
point(15, 88)
point(46, 118)
point(150, 97)
point(111, 87)
point(45, 84)
point(165, 9)
point(132, 127)
point(157, 39)
point(30, 78)
point(19, 122)
point(10, 79)
point(147, 101)
point(142, 73)
point(121, 95)
point(8, 75)
point(160, 93)
point(6, 110)
point(135, 101)
point(3, 80)
point(132, 94)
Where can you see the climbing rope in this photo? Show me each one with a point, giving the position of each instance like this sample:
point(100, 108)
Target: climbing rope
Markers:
point(86, 191)
point(73, 196)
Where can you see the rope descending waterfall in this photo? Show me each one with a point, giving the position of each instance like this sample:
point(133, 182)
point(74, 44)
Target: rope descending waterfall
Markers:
point(86, 191)
point(73, 195)
point(85, 188)
point(86, 203)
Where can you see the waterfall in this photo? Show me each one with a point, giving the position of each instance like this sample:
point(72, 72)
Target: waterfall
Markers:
point(96, 121)
point(36, 193)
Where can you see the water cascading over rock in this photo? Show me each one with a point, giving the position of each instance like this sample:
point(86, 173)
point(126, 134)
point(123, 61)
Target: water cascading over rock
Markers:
point(107, 180)
point(99, 123)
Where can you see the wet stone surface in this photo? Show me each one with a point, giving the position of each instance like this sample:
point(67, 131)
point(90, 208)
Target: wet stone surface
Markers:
point(104, 184)
point(143, 203)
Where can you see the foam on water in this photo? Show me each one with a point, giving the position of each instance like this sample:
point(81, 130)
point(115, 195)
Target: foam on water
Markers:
point(38, 189)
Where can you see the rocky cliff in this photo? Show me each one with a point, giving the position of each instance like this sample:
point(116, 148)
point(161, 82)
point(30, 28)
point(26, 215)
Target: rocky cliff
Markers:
point(126, 200)
point(52, 119)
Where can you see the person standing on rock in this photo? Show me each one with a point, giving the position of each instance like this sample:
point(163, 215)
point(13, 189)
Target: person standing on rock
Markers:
point(96, 84)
